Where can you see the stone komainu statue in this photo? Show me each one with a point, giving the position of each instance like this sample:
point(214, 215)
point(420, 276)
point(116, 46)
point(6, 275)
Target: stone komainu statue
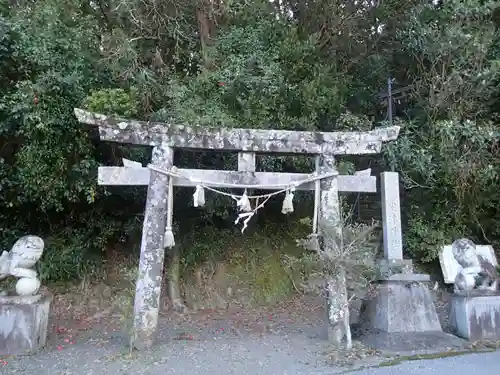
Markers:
point(19, 263)
point(477, 272)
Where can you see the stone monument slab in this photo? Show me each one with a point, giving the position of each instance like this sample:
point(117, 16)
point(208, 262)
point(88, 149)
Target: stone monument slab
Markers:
point(476, 317)
point(23, 325)
point(402, 305)
point(450, 266)
point(391, 216)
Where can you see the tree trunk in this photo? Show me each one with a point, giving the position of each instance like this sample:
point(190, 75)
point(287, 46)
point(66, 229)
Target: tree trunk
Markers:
point(206, 29)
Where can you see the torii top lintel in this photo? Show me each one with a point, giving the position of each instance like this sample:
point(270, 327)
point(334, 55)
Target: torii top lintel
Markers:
point(120, 130)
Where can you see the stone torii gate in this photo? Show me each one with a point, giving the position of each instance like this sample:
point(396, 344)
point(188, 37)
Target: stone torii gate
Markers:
point(164, 138)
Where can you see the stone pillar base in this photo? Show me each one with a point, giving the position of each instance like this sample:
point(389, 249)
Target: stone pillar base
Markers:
point(476, 316)
point(400, 317)
point(388, 267)
point(402, 303)
point(23, 324)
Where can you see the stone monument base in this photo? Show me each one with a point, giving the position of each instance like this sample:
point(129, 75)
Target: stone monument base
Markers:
point(402, 303)
point(401, 319)
point(388, 267)
point(411, 343)
point(476, 316)
point(23, 324)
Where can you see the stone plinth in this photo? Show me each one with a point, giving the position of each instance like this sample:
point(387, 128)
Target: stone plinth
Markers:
point(476, 316)
point(402, 303)
point(388, 267)
point(23, 324)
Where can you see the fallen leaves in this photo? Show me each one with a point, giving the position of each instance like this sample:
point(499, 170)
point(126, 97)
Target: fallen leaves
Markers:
point(184, 336)
point(359, 352)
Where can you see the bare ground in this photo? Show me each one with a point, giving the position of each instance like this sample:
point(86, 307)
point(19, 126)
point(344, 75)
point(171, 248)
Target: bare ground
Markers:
point(89, 332)
point(86, 337)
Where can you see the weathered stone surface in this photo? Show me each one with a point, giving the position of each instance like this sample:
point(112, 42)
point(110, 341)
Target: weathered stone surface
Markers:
point(354, 309)
point(246, 161)
point(149, 282)
point(364, 172)
point(140, 176)
point(476, 272)
point(19, 262)
point(131, 164)
point(257, 140)
point(329, 212)
point(356, 184)
point(23, 326)
point(337, 304)
point(403, 305)
point(476, 317)
point(337, 310)
point(388, 267)
point(450, 266)
point(13, 299)
point(391, 216)
point(165, 137)
point(408, 277)
point(411, 343)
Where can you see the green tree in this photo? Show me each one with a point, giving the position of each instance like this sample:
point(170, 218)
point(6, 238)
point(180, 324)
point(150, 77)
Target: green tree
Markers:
point(447, 152)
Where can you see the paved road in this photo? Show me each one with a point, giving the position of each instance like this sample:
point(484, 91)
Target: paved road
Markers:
point(266, 355)
point(468, 364)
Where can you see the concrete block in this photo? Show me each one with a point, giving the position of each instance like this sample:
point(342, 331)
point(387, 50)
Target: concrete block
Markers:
point(23, 325)
point(475, 317)
point(401, 306)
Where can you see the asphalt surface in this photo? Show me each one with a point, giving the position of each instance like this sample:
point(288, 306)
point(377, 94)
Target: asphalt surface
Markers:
point(467, 364)
point(267, 355)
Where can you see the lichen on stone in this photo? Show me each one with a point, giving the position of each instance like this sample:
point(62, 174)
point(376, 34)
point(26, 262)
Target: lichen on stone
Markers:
point(258, 140)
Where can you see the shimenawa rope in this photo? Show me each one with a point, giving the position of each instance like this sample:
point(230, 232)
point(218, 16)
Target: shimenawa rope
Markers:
point(242, 201)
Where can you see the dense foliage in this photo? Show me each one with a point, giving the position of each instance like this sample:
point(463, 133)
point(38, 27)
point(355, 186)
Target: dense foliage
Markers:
point(287, 64)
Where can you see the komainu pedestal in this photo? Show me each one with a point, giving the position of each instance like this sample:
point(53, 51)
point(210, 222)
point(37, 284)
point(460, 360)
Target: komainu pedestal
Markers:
point(23, 324)
point(24, 313)
point(476, 316)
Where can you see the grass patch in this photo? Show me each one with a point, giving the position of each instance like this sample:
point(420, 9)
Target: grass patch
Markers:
point(248, 268)
point(263, 276)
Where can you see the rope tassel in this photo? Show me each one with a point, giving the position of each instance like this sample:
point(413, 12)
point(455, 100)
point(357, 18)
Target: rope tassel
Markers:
point(288, 202)
point(168, 239)
point(199, 196)
point(244, 203)
point(313, 244)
